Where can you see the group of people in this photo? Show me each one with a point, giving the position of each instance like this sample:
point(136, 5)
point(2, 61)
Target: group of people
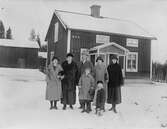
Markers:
point(97, 84)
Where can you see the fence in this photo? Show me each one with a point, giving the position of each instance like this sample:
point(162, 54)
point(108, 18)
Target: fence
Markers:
point(159, 72)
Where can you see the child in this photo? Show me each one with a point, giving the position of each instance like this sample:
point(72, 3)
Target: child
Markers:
point(86, 86)
point(100, 98)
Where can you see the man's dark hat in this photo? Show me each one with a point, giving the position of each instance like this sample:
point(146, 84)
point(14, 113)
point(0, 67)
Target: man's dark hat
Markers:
point(99, 58)
point(69, 54)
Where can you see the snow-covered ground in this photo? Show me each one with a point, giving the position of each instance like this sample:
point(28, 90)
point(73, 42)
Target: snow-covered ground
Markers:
point(23, 106)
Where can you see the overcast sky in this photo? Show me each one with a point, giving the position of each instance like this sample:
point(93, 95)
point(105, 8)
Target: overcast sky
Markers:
point(23, 15)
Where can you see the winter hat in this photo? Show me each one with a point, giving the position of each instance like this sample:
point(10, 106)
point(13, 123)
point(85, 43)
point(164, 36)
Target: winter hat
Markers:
point(69, 55)
point(99, 58)
point(114, 57)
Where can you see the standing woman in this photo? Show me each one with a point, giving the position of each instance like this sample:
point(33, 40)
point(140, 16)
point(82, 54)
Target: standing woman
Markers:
point(69, 82)
point(101, 74)
point(53, 89)
point(114, 84)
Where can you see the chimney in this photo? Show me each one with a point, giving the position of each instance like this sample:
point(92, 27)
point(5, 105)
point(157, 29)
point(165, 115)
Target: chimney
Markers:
point(95, 11)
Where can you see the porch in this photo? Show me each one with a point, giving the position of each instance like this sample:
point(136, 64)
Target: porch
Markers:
point(106, 51)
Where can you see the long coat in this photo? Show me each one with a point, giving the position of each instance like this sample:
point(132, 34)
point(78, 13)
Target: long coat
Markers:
point(115, 83)
point(53, 88)
point(86, 82)
point(69, 82)
point(101, 74)
point(82, 66)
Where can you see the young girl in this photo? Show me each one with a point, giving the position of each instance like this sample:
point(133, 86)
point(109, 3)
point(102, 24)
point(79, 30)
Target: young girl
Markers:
point(86, 85)
point(100, 98)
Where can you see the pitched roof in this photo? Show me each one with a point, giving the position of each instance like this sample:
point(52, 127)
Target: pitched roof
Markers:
point(85, 22)
point(111, 47)
point(15, 43)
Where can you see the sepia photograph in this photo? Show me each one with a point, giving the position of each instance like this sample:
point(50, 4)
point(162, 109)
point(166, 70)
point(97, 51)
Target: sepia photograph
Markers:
point(83, 64)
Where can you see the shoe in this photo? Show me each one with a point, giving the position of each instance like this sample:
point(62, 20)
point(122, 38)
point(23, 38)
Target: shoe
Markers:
point(115, 111)
point(83, 111)
point(87, 111)
point(64, 107)
point(55, 107)
point(51, 108)
point(110, 109)
point(71, 106)
point(99, 113)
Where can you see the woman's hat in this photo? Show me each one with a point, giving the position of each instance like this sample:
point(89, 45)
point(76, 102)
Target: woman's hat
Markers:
point(69, 55)
point(114, 57)
point(99, 58)
point(55, 58)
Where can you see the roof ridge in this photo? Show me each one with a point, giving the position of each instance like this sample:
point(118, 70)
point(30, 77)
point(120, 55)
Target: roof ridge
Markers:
point(72, 12)
point(90, 15)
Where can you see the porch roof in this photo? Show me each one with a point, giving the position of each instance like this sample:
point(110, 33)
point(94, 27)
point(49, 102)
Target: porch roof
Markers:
point(108, 48)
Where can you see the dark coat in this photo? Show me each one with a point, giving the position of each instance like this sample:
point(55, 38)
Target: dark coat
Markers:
point(69, 83)
point(70, 75)
point(100, 99)
point(115, 75)
point(114, 84)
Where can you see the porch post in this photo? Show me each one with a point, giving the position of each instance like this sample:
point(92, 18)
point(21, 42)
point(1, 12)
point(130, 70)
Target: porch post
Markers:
point(68, 40)
point(124, 65)
point(150, 62)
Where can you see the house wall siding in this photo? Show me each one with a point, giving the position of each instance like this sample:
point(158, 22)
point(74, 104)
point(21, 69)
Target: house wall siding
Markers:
point(81, 39)
point(60, 47)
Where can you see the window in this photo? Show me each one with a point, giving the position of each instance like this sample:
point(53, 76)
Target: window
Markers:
point(132, 42)
point(132, 62)
point(56, 32)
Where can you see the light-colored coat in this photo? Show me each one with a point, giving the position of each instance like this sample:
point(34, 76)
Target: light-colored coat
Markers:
point(101, 74)
point(53, 88)
point(86, 82)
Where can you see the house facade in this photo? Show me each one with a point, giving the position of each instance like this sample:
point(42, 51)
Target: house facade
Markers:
point(76, 32)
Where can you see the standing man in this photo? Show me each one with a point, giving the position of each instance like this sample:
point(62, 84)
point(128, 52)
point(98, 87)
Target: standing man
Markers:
point(69, 82)
point(83, 64)
point(114, 84)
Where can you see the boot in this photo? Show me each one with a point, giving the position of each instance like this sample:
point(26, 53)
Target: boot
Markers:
point(99, 112)
point(88, 108)
point(55, 104)
point(114, 108)
point(64, 107)
point(71, 106)
point(51, 105)
point(83, 107)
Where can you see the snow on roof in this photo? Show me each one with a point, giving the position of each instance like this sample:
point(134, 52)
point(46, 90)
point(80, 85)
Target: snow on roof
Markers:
point(86, 22)
point(16, 43)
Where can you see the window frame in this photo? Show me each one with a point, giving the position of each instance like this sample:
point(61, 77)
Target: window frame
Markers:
point(56, 29)
point(131, 70)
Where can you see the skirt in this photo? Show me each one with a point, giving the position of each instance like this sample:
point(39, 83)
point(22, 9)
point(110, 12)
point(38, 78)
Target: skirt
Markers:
point(114, 95)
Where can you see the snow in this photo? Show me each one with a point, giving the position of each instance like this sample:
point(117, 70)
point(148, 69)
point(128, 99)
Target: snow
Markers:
point(106, 25)
point(17, 43)
point(23, 106)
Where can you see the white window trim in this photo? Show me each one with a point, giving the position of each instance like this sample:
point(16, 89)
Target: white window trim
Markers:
point(130, 70)
point(56, 32)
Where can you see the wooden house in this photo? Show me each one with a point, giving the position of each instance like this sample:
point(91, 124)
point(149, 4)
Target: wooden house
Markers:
point(76, 32)
point(18, 54)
